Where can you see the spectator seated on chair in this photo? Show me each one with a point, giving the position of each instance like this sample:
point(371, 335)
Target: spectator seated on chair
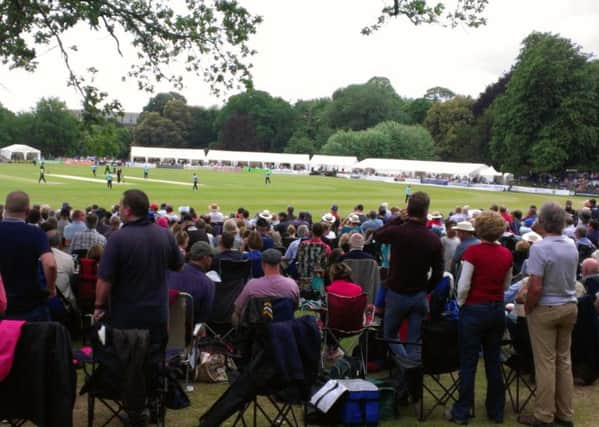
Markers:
point(225, 250)
point(590, 275)
point(356, 248)
point(193, 280)
point(273, 284)
point(83, 240)
point(341, 284)
point(316, 238)
point(254, 254)
point(65, 266)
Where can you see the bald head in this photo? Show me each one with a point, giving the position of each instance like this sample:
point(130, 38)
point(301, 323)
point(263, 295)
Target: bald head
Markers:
point(590, 266)
point(17, 204)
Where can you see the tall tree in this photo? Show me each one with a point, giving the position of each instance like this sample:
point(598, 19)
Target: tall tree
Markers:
point(201, 132)
point(157, 103)
point(156, 131)
point(548, 118)
point(361, 106)
point(417, 109)
point(7, 124)
point(408, 141)
point(439, 94)
point(446, 121)
point(312, 122)
point(272, 119)
point(54, 130)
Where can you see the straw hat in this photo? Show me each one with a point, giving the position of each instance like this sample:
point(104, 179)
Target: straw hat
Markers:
point(214, 207)
point(464, 226)
point(265, 214)
point(328, 218)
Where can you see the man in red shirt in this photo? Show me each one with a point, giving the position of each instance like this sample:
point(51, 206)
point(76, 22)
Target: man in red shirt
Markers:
point(415, 251)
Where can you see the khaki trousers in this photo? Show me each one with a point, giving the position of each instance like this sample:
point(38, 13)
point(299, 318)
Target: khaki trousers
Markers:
point(550, 329)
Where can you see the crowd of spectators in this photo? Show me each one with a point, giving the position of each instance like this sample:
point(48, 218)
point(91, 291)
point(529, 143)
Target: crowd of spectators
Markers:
point(495, 256)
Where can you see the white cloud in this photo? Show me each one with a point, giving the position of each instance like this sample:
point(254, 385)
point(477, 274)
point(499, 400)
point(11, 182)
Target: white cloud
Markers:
point(308, 49)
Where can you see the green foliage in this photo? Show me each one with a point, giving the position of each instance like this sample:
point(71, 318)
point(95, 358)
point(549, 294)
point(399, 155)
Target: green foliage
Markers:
point(156, 131)
point(52, 129)
point(361, 106)
point(7, 121)
point(446, 122)
point(439, 94)
point(210, 38)
point(386, 140)
point(201, 131)
point(312, 121)
point(300, 144)
point(255, 121)
point(408, 141)
point(467, 12)
point(417, 109)
point(548, 118)
point(157, 103)
point(107, 140)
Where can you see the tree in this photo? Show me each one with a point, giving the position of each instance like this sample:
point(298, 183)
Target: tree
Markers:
point(439, 94)
point(417, 109)
point(312, 120)
point(269, 122)
point(157, 103)
point(107, 140)
point(361, 106)
point(177, 111)
point(408, 141)
point(210, 38)
point(53, 129)
point(300, 144)
point(549, 111)
point(201, 131)
point(364, 144)
point(468, 12)
point(445, 121)
point(7, 122)
point(491, 92)
point(156, 131)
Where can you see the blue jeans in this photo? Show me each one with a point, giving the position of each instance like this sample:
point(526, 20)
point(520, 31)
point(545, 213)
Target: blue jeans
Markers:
point(481, 325)
point(399, 307)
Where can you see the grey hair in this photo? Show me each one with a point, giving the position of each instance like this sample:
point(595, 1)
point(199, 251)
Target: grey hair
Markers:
point(581, 230)
point(302, 230)
point(552, 217)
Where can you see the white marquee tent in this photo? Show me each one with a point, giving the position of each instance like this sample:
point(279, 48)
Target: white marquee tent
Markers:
point(243, 158)
point(333, 162)
point(27, 152)
point(413, 167)
point(144, 154)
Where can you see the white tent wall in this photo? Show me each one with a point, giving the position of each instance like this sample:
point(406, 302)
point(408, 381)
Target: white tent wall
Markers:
point(178, 154)
point(245, 158)
point(411, 167)
point(28, 152)
point(339, 163)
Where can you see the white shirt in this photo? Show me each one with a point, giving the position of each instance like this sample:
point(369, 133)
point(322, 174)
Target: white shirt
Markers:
point(65, 271)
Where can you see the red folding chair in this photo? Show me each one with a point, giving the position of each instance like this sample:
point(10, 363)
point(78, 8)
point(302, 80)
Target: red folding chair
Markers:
point(344, 318)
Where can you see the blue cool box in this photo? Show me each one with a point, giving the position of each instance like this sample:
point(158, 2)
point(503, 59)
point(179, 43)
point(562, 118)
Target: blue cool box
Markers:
point(360, 407)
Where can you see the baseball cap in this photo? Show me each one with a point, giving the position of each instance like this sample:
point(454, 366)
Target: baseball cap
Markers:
point(271, 257)
point(200, 249)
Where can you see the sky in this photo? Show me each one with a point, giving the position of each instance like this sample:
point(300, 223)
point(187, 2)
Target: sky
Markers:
point(309, 49)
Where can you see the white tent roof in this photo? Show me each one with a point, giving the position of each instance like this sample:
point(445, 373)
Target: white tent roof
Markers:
point(489, 172)
point(168, 153)
point(342, 161)
point(248, 156)
point(398, 166)
point(18, 148)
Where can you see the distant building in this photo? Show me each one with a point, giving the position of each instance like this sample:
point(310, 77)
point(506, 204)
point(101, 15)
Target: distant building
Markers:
point(126, 119)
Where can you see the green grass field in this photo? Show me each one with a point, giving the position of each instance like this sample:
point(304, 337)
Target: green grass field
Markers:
point(232, 190)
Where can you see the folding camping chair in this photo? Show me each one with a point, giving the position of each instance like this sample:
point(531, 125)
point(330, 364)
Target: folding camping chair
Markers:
point(518, 368)
point(105, 377)
point(234, 275)
point(365, 272)
point(180, 331)
point(344, 318)
point(272, 343)
point(439, 363)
